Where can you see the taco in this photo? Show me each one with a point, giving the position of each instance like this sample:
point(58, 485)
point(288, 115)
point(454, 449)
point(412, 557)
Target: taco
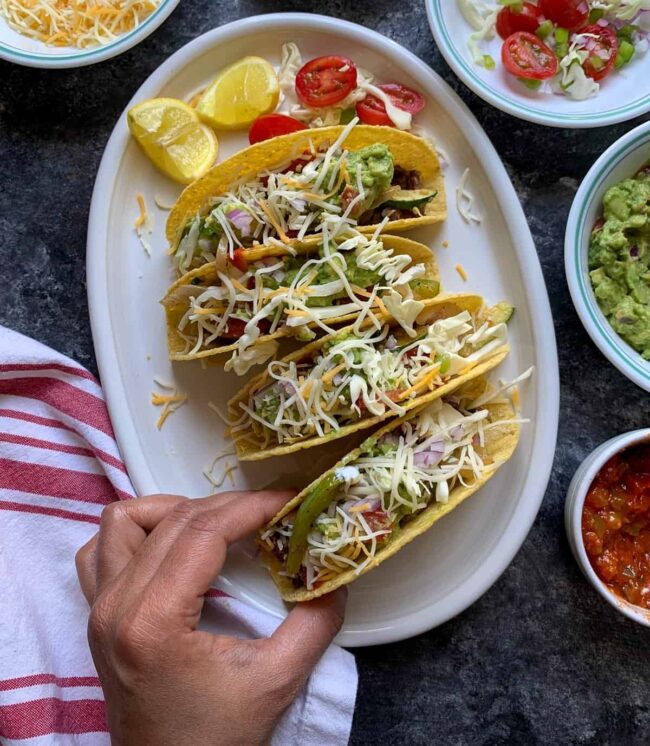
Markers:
point(384, 494)
point(267, 293)
point(366, 373)
point(289, 189)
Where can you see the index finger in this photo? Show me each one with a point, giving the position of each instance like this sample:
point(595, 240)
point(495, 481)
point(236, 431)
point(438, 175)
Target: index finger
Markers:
point(199, 552)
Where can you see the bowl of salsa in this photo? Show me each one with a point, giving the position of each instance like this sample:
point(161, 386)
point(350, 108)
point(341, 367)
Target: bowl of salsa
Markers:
point(607, 518)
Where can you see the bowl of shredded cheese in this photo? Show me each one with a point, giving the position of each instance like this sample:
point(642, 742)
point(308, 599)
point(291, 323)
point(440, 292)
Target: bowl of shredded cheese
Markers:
point(73, 33)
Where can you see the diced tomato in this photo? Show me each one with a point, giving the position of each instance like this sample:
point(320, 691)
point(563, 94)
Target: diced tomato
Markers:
point(526, 56)
point(239, 259)
point(378, 520)
point(324, 81)
point(235, 327)
point(273, 125)
point(511, 20)
point(602, 52)
point(598, 225)
point(569, 14)
point(372, 110)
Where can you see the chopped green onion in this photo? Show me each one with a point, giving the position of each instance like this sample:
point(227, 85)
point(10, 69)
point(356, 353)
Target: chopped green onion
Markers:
point(516, 6)
point(445, 364)
point(545, 29)
point(533, 85)
point(596, 14)
point(561, 35)
point(488, 62)
point(625, 32)
point(625, 54)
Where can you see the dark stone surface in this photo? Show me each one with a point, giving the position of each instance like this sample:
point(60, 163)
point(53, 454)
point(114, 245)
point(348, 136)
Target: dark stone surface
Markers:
point(540, 659)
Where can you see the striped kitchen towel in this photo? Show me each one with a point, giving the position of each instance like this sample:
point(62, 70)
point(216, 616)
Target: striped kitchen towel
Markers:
point(59, 467)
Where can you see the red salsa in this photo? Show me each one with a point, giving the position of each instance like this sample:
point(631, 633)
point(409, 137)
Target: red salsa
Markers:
point(616, 525)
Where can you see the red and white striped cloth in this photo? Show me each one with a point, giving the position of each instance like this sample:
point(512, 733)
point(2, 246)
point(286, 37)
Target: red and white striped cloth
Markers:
point(59, 467)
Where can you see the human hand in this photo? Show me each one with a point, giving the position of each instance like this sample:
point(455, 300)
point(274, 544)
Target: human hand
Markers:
point(145, 575)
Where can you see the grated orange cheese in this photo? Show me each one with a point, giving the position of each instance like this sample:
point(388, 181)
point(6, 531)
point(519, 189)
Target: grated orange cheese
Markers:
point(461, 271)
point(169, 402)
point(75, 23)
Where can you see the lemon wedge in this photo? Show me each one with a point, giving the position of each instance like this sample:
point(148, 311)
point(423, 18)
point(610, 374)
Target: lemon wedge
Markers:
point(172, 135)
point(240, 94)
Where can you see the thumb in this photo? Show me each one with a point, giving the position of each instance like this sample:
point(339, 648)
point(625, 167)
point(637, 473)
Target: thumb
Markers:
point(300, 641)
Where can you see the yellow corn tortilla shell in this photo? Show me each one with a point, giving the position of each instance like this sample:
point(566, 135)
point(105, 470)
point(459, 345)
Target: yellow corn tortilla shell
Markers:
point(176, 301)
point(409, 152)
point(500, 444)
point(250, 447)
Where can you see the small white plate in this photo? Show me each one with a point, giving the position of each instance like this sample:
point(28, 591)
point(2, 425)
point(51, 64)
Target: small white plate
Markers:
point(447, 569)
point(620, 161)
point(22, 50)
point(623, 95)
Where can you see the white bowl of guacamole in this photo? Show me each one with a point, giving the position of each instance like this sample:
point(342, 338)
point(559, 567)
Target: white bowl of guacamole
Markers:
point(607, 254)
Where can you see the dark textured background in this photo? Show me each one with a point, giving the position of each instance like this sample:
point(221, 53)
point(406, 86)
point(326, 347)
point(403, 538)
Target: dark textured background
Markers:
point(540, 659)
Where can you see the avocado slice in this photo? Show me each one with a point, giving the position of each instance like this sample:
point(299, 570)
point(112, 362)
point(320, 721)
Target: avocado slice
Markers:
point(500, 313)
point(423, 289)
point(407, 199)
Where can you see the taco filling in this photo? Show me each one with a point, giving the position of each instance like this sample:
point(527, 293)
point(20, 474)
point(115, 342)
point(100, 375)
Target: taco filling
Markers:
point(292, 294)
point(318, 189)
point(359, 374)
point(357, 509)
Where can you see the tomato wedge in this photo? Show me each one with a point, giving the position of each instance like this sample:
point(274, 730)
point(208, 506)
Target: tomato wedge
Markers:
point(324, 81)
point(569, 14)
point(602, 51)
point(273, 125)
point(510, 21)
point(526, 56)
point(372, 110)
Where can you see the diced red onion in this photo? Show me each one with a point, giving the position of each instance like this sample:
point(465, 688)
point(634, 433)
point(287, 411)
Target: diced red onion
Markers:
point(391, 342)
point(241, 220)
point(602, 22)
point(431, 456)
point(634, 251)
point(456, 433)
point(373, 505)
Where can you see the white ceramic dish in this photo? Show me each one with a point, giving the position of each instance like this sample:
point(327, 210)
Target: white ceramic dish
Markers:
point(446, 570)
point(573, 508)
point(622, 160)
point(624, 95)
point(22, 50)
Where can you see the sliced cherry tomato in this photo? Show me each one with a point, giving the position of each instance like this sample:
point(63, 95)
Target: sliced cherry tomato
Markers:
point(378, 520)
point(509, 21)
point(372, 110)
point(569, 14)
point(239, 259)
point(526, 56)
point(324, 81)
point(273, 125)
point(602, 51)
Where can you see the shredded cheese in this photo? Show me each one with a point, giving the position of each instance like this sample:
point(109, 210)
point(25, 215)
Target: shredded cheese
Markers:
point(170, 402)
point(465, 200)
point(143, 223)
point(75, 23)
point(461, 271)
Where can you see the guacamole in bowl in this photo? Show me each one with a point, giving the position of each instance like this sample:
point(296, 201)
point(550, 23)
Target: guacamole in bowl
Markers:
point(619, 260)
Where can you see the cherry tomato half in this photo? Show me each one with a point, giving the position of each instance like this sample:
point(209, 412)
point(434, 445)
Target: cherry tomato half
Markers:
point(526, 56)
point(372, 110)
point(602, 51)
point(324, 81)
point(509, 21)
point(569, 14)
point(273, 125)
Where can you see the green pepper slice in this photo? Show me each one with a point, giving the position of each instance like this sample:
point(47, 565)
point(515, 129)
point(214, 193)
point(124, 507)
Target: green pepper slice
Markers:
point(313, 505)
